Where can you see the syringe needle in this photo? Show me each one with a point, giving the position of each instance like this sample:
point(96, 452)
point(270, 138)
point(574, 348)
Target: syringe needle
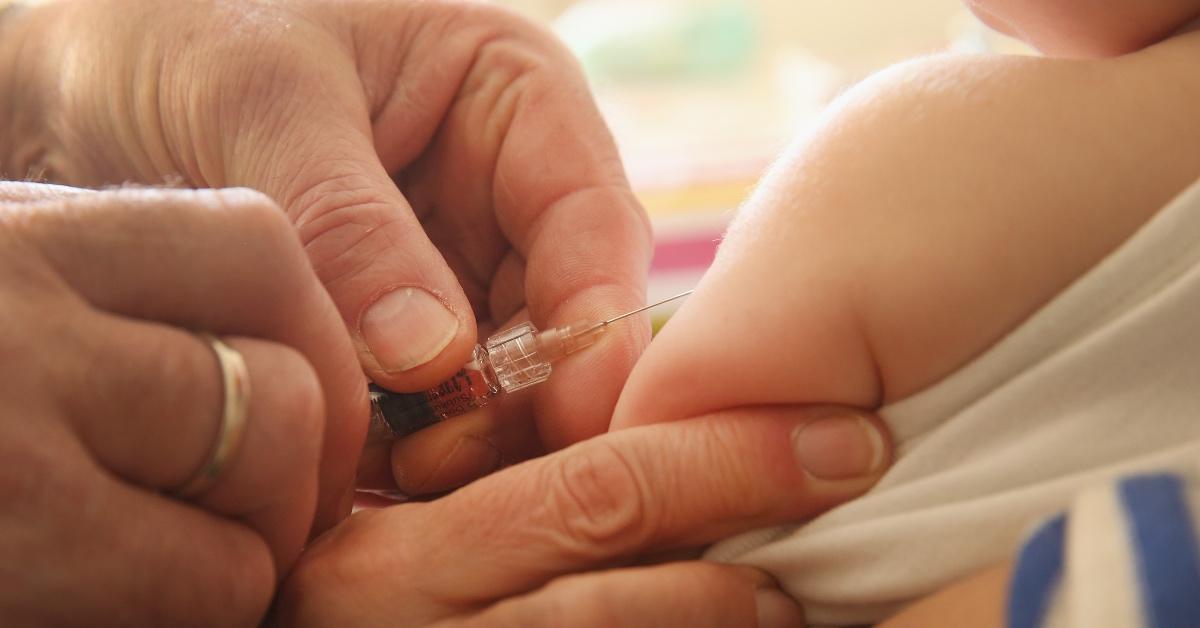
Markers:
point(643, 309)
point(557, 342)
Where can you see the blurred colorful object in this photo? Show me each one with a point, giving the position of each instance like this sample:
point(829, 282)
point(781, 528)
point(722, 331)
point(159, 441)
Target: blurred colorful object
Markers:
point(624, 40)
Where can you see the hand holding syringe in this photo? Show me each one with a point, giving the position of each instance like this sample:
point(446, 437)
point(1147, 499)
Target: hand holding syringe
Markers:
point(516, 358)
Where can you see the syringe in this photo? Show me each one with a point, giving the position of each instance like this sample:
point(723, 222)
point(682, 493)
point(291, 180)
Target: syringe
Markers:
point(516, 358)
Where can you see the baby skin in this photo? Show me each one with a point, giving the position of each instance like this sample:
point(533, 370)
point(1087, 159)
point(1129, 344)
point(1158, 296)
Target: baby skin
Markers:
point(938, 205)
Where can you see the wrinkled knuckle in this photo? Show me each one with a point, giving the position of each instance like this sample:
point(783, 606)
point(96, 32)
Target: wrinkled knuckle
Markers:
point(335, 198)
point(600, 501)
point(348, 242)
point(507, 46)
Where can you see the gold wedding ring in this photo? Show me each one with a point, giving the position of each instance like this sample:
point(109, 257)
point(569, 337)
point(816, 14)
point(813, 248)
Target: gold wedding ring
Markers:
point(235, 380)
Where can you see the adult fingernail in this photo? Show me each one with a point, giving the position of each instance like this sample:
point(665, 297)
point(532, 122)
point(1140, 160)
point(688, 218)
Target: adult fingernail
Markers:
point(839, 447)
point(776, 610)
point(406, 328)
point(472, 458)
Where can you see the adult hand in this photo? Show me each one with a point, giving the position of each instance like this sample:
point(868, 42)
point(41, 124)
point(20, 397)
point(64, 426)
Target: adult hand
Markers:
point(443, 162)
point(517, 548)
point(108, 400)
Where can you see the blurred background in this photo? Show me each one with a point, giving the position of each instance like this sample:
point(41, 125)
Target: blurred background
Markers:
point(703, 94)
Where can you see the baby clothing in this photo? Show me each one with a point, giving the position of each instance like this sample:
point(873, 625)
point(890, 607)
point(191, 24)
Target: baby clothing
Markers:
point(1102, 382)
point(1123, 556)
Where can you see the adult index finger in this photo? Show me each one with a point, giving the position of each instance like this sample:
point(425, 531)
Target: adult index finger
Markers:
point(563, 200)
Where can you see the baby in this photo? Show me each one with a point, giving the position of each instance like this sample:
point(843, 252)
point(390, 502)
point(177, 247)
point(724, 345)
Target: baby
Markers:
point(999, 254)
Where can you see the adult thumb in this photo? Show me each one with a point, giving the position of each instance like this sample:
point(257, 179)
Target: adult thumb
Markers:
point(405, 309)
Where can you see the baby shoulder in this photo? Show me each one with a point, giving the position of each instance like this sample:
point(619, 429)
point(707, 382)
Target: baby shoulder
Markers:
point(955, 195)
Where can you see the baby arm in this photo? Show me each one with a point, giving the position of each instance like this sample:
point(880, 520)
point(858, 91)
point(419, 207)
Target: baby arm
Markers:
point(936, 207)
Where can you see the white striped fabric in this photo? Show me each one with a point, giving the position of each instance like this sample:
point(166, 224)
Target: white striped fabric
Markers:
point(1123, 556)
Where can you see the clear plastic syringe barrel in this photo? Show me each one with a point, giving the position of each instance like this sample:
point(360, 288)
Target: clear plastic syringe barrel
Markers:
point(511, 360)
point(515, 358)
point(521, 356)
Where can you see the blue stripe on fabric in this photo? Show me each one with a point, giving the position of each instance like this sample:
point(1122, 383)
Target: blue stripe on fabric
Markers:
point(1036, 574)
point(1164, 544)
